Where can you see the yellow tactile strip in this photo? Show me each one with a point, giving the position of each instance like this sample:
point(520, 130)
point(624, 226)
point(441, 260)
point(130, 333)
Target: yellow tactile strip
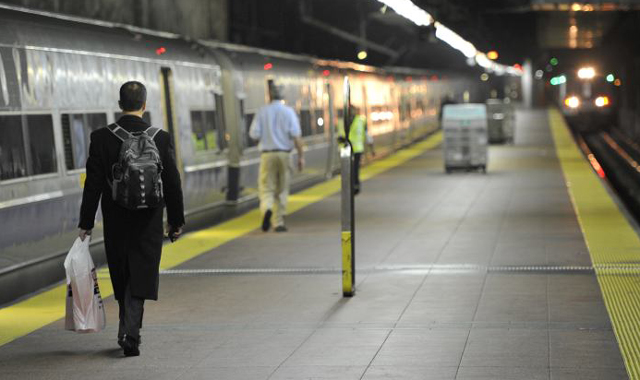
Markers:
point(613, 244)
point(38, 311)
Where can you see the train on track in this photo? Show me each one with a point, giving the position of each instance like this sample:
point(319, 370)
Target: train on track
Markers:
point(588, 98)
point(59, 81)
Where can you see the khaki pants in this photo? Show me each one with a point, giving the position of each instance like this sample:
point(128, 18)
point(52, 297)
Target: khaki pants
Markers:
point(275, 176)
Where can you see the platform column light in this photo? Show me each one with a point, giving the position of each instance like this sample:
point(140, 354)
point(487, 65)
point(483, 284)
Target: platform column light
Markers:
point(347, 203)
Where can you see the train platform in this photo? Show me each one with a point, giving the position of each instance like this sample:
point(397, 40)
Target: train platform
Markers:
point(526, 272)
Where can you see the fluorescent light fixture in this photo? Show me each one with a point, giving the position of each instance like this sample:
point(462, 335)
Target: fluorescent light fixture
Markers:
point(484, 61)
point(417, 15)
point(409, 10)
point(455, 41)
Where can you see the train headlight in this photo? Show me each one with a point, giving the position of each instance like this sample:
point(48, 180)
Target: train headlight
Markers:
point(572, 102)
point(602, 101)
point(586, 73)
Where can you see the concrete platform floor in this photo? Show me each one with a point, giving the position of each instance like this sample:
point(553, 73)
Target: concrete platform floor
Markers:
point(445, 290)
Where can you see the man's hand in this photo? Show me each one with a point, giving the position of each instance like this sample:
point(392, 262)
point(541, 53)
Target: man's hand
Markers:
point(82, 234)
point(300, 163)
point(174, 232)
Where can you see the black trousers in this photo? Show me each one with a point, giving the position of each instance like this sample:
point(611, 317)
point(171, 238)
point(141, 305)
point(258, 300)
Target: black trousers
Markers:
point(357, 159)
point(131, 310)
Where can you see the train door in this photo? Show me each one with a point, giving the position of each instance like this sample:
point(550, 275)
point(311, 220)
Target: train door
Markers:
point(169, 115)
point(223, 136)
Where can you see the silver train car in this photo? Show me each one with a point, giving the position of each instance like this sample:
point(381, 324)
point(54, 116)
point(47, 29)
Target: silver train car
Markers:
point(59, 81)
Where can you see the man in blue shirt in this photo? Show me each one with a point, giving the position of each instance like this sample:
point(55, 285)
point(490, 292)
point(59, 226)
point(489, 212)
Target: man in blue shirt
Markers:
point(277, 128)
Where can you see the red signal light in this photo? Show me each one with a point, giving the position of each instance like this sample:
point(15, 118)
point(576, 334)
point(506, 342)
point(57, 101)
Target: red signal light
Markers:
point(161, 50)
point(434, 78)
point(268, 66)
point(326, 73)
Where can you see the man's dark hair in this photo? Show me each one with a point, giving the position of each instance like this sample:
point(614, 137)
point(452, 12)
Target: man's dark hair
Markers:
point(275, 90)
point(133, 95)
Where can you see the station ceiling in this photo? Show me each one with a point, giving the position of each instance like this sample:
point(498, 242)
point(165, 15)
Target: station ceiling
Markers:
point(516, 29)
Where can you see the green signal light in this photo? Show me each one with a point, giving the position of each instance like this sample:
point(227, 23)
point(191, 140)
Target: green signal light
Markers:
point(558, 80)
point(610, 78)
point(554, 61)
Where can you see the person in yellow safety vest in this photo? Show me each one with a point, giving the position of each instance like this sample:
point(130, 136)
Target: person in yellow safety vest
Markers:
point(359, 137)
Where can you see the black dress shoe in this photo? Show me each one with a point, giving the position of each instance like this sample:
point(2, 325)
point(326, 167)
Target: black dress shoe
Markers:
point(266, 221)
point(121, 341)
point(131, 347)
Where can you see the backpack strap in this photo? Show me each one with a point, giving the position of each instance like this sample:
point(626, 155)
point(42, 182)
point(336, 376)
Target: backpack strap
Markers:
point(152, 132)
point(118, 131)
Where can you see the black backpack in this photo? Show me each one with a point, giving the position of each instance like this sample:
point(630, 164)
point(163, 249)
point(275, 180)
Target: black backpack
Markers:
point(137, 176)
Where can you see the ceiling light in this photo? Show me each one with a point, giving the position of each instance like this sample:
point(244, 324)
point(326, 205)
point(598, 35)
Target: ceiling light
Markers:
point(417, 15)
point(362, 55)
point(455, 41)
point(409, 10)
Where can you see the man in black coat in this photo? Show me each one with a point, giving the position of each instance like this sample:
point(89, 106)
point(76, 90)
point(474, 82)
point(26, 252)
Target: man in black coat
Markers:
point(132, 238)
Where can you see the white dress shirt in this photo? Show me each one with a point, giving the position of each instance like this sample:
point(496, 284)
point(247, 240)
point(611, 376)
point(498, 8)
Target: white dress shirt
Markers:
point(275, 125)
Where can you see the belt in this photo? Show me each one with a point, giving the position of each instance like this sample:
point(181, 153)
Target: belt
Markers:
point(275, 150)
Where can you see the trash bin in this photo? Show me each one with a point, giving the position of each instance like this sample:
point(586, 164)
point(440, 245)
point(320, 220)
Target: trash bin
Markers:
point(465, 137)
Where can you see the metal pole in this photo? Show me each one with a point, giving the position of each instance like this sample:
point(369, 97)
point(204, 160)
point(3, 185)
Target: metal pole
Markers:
point(347, 203)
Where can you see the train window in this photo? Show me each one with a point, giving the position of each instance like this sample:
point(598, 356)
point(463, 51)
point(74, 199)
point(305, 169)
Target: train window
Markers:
point(145, 116)
point(203, 130)
point(41, 144)
point(248, 119)
point(13, 160)
point(27, 146)
point(305, 123)
point(320, 121)
point(76, 132)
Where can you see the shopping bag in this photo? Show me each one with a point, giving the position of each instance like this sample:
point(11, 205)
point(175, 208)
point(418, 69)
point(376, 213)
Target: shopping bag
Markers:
point(84, 308)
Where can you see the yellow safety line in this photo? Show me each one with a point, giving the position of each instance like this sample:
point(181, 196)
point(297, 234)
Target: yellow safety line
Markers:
point(613, 244)
point(40, 310)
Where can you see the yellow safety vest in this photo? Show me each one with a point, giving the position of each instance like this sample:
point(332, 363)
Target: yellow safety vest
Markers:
point(357, 133)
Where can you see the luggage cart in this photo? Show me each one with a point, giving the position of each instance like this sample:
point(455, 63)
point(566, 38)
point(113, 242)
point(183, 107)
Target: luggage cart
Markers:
point(465, 137)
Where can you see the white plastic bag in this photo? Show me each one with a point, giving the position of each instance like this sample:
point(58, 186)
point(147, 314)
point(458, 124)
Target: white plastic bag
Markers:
point(84, 310)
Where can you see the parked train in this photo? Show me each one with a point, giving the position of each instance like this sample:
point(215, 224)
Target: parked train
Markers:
point(59, 81)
